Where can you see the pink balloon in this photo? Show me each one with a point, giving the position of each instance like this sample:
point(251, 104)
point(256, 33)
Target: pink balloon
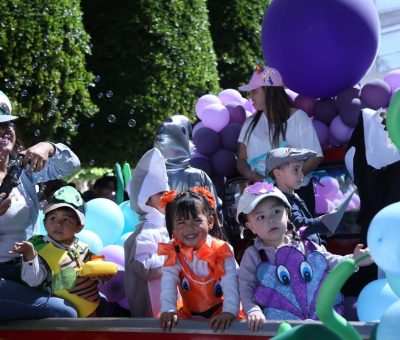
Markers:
point(230, 95)
point(203, 102)
point(198, 126)
point(248, 105)
point(322, 131)
point(215, 117)
point(305, 103)
point(392, 78)
point(340, 131)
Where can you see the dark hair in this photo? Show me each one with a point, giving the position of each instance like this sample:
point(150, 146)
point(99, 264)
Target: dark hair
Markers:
point(185, 205)
point(277, 108)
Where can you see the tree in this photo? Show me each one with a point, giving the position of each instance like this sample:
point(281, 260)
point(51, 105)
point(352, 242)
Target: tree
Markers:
point(236, 32)
point(156, 57)
point(42, 67)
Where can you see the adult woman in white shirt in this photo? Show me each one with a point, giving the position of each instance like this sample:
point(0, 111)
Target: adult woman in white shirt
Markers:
point(276, 123)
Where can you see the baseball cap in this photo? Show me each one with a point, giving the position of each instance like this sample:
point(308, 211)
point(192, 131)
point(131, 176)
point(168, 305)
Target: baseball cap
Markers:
point(5, 109)
point(280, 156)
point(69, 197)
point(263, 76)
point(255, 193)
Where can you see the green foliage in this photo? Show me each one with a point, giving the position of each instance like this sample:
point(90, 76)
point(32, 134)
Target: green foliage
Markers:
point(42, 67)
point(156, 56)
point(236, 32)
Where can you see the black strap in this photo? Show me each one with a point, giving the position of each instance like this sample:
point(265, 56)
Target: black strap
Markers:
point(263, 255)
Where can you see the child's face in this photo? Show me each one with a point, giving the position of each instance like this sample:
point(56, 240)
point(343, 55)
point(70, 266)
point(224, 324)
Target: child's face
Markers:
point(62, 225)
point(269, 221)
point(193, 231)
point(290, 176)
point(257, 96)
point(154, 201)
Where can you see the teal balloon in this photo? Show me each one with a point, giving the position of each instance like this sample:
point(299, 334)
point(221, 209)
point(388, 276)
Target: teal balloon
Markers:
point(374, 299)
point(91, 239)
point(131, 218)
point(123, 238)
point(42, 229)
point(388, 328)
point(105, 218)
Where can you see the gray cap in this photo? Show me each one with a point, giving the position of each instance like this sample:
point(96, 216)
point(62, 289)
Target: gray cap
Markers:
point(255, 193)
point(280, 156)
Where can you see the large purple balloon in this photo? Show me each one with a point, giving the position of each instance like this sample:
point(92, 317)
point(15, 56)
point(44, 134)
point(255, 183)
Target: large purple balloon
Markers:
point(229, 136)
point(223, 162)
point(206, 141)
point(320, 47)
point(376, 94)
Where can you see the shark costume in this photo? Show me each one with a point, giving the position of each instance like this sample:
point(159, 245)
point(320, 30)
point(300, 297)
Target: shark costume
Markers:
point(172, 139)
point(143, 266)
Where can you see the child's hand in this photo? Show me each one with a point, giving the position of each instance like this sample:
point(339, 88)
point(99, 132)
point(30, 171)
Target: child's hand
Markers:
point(256, 320)
point(358, 252)
point(222, 321)
point(25, 248)
point(168, 320)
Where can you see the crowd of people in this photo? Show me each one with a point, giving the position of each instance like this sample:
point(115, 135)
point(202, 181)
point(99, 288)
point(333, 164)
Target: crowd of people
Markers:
point(179, 262)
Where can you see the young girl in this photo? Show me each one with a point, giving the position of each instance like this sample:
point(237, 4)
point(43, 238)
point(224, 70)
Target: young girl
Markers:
point(198, 262)
point(280, 274)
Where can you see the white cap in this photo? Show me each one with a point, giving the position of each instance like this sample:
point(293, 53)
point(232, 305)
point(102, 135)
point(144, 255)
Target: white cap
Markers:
point(266, 76)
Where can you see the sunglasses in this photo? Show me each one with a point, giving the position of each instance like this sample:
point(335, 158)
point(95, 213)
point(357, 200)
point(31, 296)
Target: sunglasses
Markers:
point(7, 126)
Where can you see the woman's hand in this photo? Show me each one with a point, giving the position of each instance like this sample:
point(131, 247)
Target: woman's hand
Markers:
point(168, 320)
point(222, 321)
point(256, 320)
point(25, 248)
point(37, 155)
point(5, 204)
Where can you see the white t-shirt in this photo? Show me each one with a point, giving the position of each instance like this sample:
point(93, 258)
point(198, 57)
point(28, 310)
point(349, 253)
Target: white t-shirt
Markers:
point(300, 133)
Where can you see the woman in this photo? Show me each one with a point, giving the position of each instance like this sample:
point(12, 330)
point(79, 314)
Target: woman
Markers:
point(19, 215)
point(276, 123)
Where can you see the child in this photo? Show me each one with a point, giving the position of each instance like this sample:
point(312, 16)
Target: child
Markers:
point(52, 260)
point(143, 266)
point(285, 166)
point(201, 266)
point(280, 275)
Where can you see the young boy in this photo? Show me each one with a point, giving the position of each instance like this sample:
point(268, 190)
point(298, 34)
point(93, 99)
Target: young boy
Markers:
point(285, 166)
point(52, 260)
point(143, 266)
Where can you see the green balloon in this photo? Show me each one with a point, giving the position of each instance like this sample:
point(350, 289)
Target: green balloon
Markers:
point(120, 183)
point(393, 120)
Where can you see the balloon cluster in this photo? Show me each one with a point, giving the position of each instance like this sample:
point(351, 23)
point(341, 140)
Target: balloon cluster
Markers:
point(328, 195)
point(335, 118)
point(216, 135)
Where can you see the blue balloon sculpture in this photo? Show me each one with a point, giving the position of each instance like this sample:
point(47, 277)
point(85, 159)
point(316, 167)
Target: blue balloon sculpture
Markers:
point(131, 218)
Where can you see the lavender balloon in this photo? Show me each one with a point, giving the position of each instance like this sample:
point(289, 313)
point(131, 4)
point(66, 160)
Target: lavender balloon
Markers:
point(392, 78)
point(340, 131)
point(320, 47)
point(230, 95)
point(322, 131)
point(215, 117)
point(203, 102)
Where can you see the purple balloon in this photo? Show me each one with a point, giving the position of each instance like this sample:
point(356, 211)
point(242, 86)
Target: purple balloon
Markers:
point(349, 113)
point(237, 113)
point(206, 141)
point(325, 110)
point(114, 253)
point(219, 183)
point(305, 103)
point(392, 78)
point(339, 131)
point(229, 136)
point(322, 131)
point(203, 102)
point(345, 96)
point(229, 96)
point(376, 94)
point(114, 289)
point(324, 47)
point(202, 163)
point(223, 162)
point(198, 126)
point(215, 117)
point(124, 303)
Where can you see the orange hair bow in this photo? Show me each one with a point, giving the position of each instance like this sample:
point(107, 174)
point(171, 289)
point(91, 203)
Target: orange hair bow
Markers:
point(167, 197)
point(205, 192)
